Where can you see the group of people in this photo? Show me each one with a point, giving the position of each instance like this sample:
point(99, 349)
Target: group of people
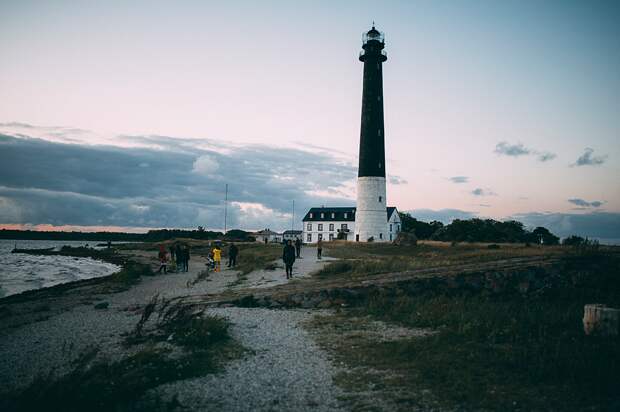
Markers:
point(215, 257)
point(179, 255)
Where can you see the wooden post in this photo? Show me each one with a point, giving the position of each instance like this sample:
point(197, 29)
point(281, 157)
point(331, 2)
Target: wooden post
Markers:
point(600, 320)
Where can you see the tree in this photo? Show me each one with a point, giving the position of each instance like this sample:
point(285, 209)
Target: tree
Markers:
point(422, 230)
point(542, 233)
point(573, 240)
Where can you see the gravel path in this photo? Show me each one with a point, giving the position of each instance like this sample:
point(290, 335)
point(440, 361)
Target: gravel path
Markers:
point(303, 268)
point(288, 371)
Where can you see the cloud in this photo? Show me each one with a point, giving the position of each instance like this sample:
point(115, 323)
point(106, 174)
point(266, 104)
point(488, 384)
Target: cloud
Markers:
point(205, 165)
point(397, 180)
point(162, 181)
point(516, 150)
point(459, 179)
point(443, 215)
point(600, 225)
point(546, 156)
point(584, 204)
point(482, 192)
point(586, 159)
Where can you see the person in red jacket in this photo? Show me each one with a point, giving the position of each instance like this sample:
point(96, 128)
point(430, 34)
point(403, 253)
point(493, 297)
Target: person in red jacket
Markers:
point(163, 259)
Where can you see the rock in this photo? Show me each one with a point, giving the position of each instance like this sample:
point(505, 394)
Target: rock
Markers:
point(601, 320)
point(102, 305)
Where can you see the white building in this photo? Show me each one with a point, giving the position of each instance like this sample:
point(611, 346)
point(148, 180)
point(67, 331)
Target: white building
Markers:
point(267, 236)
point(331, 223)
point(292, 235)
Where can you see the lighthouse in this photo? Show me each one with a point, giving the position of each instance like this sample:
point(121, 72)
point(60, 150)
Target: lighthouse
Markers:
point(370, 216)
point(371, 220)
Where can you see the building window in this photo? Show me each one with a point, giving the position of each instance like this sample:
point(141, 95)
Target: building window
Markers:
point(322, 215)
point(311, 215)
point(309, 238)
point(398, 227)
point(380, 235)
point(346, 215)
point(309, 227)
point(320, 236)
point(343, 226)
point(331, 227)
point(320, 229)
point(331, 237)
point(333, 215)
point(380, 198)
point(390, 227)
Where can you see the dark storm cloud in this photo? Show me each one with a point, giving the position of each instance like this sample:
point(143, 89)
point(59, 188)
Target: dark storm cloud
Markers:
point(600, 225)
point(585, 203)
point(587, 159)
point(173, 182)
point(516, 150)
point(459, 179)
point(442, 215)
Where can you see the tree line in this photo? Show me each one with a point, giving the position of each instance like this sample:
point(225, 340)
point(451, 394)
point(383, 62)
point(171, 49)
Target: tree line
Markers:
point(151, 236)
point(477, 230)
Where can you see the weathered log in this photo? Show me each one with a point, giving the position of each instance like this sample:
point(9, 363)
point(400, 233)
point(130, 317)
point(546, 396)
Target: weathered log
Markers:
point(600, 320)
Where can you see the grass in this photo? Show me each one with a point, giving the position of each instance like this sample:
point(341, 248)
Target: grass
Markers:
point(128, 276)
point(510, 352)
point(195, 345)
point(368, 259)
point(255, 256)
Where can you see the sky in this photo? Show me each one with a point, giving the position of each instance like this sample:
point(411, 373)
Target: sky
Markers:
point(135, 115)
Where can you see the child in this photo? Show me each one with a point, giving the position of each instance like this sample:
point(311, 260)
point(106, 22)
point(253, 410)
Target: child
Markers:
point(217, 257)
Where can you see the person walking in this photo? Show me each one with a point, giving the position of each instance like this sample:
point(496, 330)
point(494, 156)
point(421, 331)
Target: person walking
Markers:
point(186, 258)
point(298, 247)
point(233, 251)
point(178, 252)
point(288, 256)
point(172, 254)
point(217, 257)
point(319, 249)
point(162, 259)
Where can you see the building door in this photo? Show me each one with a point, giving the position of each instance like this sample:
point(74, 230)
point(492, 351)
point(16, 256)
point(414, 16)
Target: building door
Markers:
point(357, 238)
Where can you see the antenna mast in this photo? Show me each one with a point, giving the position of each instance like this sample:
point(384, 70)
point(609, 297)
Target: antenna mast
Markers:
point(225, 208)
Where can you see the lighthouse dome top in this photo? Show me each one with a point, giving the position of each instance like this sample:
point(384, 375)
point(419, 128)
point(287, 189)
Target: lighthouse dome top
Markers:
point(373, 35)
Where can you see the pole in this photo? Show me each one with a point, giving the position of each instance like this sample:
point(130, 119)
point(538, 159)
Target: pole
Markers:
point(293, 220)
point(225, 208)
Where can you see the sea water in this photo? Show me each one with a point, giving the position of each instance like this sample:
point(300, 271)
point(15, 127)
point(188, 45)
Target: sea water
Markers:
point(20, 272)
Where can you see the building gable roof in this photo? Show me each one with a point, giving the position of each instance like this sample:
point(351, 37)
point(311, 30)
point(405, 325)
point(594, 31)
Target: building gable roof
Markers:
point(338, 214)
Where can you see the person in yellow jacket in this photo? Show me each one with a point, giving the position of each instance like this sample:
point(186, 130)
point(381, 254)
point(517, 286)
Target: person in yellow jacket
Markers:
point(217, 257)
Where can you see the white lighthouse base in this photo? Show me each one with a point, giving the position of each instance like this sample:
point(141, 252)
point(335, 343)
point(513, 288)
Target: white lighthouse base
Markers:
point(371, 213)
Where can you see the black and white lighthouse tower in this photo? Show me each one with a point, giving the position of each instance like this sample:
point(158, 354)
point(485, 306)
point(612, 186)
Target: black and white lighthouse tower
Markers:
point(370, 216)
